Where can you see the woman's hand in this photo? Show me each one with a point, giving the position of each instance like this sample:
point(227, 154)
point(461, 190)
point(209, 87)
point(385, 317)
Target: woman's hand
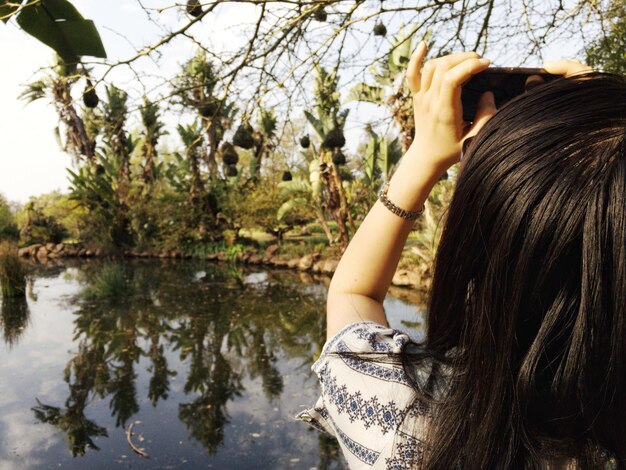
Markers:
point(566, 67)
point(439, 126)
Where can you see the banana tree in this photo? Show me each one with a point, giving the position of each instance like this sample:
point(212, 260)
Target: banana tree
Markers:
point(97, 188)
point(381, 156)
point(196, 87)
point(328, 122)
point(305, 194)
point(153, 130)
point(191, 135)
point(56, 86)
point(385, 91)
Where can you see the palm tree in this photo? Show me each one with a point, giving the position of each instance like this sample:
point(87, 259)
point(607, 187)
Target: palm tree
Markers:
point(328, 123)
point(153, 130)
point(56, 86)
point(196, 86)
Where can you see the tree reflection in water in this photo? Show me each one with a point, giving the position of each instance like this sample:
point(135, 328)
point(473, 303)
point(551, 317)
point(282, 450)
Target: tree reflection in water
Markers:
point(15, 316)
point(222, 327)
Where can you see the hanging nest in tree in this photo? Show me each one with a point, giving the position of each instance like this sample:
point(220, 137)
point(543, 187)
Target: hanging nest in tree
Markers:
point(208, 108)
point(229, 154)
point(305, 142)
point(90, 98)
point(320, 14)
point(334, 139)
point(380, 29)
point(243, 136)
point(194, 8)
point(231, 170)
point(287, 176)
point(339, 158)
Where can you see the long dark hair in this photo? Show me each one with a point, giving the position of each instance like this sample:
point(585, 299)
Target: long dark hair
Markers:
point(528, 303)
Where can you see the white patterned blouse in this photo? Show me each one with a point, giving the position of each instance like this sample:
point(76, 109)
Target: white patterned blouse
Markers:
point(368, 405)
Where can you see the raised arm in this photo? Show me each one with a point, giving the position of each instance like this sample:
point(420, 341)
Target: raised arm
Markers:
point(364, 273)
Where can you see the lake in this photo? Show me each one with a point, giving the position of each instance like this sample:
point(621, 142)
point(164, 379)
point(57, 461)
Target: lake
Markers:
point(206, 364)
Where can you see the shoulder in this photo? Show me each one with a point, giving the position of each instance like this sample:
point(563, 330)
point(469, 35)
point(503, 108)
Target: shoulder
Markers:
point(366, 337)
point(366, 394)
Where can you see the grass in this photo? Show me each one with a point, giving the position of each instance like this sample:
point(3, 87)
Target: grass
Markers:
point(110, 284)
point(12, 272)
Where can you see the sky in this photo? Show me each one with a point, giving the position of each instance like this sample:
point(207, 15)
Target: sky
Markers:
point(31, 162)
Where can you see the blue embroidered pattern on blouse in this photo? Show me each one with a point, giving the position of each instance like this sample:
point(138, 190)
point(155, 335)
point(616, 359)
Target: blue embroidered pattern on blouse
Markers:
point(370, 368)
point(408, 452)
point(364, 454)
point(370, 336)
point(371, 412)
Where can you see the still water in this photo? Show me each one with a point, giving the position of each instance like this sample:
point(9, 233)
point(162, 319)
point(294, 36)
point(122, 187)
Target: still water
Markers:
point(206, 364)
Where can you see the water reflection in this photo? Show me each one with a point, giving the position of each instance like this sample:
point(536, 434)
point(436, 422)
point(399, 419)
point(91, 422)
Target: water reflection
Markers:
point(15, 316)
point(224, 325)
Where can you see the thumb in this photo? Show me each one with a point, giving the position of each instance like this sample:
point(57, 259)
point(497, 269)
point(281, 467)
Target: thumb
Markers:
point(485, 109)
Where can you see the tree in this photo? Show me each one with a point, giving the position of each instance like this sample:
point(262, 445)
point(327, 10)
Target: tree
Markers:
point(8, 227)
point(153, 130)
point(387, 91)
point(328, 121)
point(196, 86)
point(609, 51)
point(56, 85)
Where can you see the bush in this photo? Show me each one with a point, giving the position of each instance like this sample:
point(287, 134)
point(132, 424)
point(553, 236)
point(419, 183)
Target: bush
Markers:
point(109, 284)
point(8, 227)
point(39, 228)
point(12, 272)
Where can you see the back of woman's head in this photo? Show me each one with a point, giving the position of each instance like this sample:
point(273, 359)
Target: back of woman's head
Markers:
point(530, 285)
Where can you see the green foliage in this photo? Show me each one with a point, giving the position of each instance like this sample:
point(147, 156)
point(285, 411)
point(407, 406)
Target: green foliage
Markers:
point(110, 284)
point(196, 85)
point(381, 157)
point(59, 25)
point(327, 113)
point(60, 208)
point(609, 52)
point(8, 227)
point(12, 272)
point(38, 227)
point(261, 206)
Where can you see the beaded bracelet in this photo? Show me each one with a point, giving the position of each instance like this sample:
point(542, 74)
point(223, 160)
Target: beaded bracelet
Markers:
point(382, 195)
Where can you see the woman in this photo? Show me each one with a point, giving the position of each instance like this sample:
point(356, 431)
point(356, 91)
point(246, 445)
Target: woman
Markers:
point(524, 365)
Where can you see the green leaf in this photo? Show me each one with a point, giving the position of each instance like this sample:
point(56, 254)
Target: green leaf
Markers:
point(83, 37)
point(316, 123)
point(62, 9)
point(368, 93)
point(400, 54)
point(288, 206)
point(58, 25)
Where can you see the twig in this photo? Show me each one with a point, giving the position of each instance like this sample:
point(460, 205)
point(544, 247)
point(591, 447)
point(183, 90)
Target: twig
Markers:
point(129, 433)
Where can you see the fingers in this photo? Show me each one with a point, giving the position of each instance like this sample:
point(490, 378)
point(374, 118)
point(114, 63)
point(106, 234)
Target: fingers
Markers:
point(566, 67)
point(413, 77)
point(451, 81)
point(443, 64)
point(485, 110)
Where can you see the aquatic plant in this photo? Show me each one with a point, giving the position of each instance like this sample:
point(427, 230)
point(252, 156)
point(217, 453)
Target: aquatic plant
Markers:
point(110, 284)
point(12, 272)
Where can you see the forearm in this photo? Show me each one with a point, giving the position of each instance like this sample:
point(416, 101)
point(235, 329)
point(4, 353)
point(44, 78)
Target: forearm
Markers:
point(370, 261)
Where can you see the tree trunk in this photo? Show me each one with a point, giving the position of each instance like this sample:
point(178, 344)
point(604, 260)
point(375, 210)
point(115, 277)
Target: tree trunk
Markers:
point(210, 157)
point(78, 143)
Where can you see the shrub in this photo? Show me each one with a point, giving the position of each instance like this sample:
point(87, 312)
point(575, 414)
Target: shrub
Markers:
point(12, 272)
point(8, 227)
point(39, 228)
point(109, 284)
